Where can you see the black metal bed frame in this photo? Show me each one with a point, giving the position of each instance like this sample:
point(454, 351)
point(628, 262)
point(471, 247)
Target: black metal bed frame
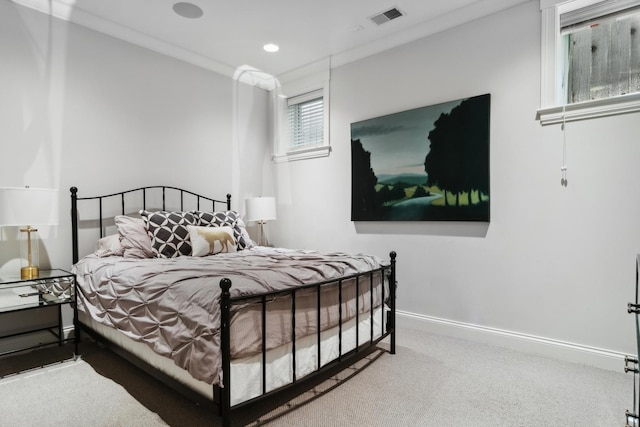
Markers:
point(221, 395)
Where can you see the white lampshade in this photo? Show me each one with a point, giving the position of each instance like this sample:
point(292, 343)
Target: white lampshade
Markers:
point(28, 206)
point(261, 208)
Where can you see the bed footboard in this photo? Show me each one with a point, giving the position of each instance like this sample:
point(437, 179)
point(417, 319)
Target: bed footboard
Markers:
point(388, 330)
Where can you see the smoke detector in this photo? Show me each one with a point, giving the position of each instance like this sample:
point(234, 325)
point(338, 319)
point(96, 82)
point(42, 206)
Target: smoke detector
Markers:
point(386, 16)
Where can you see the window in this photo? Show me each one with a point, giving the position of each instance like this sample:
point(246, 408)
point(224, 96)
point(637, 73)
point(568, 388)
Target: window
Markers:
point(603, 54)
point(591, 59)
point(301, 113)
point(306, 120)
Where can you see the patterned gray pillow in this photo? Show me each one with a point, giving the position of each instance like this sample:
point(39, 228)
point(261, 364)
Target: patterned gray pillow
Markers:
point(168, 232)
point(223, 219)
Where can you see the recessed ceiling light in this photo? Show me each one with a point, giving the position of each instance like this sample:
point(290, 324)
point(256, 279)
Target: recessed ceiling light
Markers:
point(188, 10)
point(270, 47)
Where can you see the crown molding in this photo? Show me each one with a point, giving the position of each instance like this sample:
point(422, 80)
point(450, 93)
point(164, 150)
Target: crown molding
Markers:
point(475, 10)
point(64, 10)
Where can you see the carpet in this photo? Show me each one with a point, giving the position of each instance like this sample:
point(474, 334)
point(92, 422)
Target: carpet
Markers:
point(439, 381)
point(70, 393)
point(432, 381)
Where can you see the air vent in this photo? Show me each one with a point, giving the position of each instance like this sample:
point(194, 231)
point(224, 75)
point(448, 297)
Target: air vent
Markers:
point(387, 16)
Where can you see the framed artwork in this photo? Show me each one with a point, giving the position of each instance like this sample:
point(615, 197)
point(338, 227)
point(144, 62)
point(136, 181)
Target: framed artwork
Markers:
point(426, 164)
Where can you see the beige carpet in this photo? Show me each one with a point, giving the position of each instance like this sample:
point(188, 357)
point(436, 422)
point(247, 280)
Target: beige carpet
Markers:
point(69, 394)
point(432, 381)
point(436, 381)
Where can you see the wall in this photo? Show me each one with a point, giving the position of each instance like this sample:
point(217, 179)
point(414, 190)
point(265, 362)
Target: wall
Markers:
point(81, 108)
point(555, 263)
point(78, 108)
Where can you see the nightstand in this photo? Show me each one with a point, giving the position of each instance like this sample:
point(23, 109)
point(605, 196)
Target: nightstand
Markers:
point(52, 288)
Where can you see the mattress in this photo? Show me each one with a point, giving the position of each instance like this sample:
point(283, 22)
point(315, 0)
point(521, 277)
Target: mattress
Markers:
point(246, 372)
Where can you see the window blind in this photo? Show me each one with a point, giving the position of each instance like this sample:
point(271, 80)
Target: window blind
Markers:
point(306, 119)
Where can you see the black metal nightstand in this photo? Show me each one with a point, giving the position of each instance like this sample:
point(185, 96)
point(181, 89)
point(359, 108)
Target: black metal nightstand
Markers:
point(52, 288)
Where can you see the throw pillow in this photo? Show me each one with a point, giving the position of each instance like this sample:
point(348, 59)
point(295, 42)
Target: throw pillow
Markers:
point(168, 232)
point(211, 240)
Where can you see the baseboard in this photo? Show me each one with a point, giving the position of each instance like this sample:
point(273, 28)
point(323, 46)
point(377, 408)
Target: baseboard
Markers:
point(571, 352)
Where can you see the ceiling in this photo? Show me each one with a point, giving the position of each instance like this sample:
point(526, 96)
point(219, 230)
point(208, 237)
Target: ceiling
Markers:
point(231, 34)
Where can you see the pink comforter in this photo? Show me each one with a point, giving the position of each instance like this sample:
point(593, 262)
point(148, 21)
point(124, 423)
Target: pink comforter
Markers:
point(172, 305)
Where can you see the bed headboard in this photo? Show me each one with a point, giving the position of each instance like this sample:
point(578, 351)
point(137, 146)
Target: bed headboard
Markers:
point(158, 197)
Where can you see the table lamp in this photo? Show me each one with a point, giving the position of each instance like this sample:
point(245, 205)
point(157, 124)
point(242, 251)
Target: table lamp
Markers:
point(27, 207)
point(261, 209)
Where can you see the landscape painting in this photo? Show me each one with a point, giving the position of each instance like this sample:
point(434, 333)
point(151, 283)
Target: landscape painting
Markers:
point(426, 164)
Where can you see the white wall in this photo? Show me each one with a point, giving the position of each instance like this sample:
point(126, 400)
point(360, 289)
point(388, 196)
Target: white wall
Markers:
point(554, 262)
point(78, 108)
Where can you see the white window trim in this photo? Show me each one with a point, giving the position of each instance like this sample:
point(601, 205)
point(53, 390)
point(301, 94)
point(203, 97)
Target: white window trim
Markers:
point(303, 153)
point(629, 103)
point(553, 109)
point(312, 81)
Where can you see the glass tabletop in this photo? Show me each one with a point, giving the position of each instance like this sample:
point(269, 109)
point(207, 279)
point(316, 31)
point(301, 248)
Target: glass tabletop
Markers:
point(6, 279)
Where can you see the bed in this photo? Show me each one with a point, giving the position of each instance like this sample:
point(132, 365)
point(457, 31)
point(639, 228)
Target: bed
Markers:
point(172, 280)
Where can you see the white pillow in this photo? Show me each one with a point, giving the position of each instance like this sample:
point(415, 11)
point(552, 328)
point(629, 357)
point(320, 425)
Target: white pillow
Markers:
point(109, 246)
point(134, 238)
point(211, 240)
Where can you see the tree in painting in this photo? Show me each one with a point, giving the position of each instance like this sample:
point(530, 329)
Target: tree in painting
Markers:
point(457, 142)
point(363, 180)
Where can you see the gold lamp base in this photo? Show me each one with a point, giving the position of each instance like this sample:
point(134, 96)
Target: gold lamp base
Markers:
point(29, 272)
